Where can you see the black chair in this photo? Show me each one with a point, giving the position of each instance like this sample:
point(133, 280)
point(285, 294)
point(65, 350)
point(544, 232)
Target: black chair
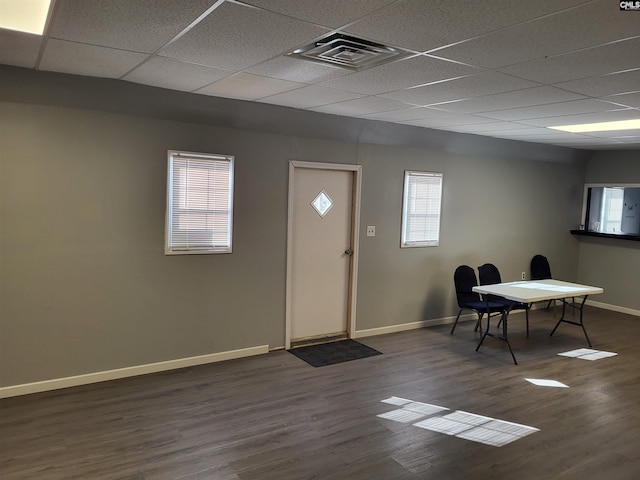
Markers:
point(465, 279)
point(490, 275)
point(540, 270)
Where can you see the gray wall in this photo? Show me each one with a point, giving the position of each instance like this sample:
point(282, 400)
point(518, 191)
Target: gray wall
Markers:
point(612, 264)
point(85, 286)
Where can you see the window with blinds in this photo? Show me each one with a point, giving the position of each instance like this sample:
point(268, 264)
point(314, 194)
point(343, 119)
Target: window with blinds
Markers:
point(199, 203)
point(421, 209)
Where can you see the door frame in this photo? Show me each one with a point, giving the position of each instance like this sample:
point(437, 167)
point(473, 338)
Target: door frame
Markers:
point(355, 227)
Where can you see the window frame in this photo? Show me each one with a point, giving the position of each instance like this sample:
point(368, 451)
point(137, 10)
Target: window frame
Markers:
point(586, 219)
point(169, 247)
point(404, 233)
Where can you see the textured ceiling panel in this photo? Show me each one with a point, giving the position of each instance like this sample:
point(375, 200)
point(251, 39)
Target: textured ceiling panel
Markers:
point(551, 35)
point(451, 121)
point(70, 57)
point(236, 37)
point(603, 85)
point(330, 13)
point(399, 75)
point(296, 70)
point(407, 114)
point(484, 127)
point(485, 83)
point(248, 87)
point(19, 49)
point(613, 57)
point(361, 106)
point(629, 99)
point(422, 26)
point(311, 96)
point(514, 99)
point(168, 73)
point(493, 67)
point(143, 25)
point(608, 116)
point(544, 111)
point(622, 135)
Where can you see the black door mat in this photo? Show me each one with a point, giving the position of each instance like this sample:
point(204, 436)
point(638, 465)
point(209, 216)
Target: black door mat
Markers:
point(333, 352)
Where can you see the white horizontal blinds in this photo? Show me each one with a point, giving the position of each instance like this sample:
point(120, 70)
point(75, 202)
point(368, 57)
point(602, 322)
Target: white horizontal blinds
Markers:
point(200, 217)
point(421, 209)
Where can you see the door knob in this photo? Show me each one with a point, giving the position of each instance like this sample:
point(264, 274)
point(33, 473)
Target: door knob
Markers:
point(348, 251)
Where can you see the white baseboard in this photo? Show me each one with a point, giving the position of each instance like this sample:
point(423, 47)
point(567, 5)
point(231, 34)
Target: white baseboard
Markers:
point(426, 323)
point(614, 308)
point(57, 383)
point(448, 320)
point(412, 325)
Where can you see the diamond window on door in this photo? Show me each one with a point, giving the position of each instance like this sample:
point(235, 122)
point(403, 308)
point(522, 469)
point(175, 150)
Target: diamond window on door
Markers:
point(322, 203)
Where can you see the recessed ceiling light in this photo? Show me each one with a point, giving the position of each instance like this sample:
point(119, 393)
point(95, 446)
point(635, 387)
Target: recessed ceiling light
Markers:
point(600, 127)
point(24, 15)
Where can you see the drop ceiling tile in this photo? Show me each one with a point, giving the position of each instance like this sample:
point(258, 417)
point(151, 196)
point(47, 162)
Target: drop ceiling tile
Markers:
point(449, 121)
point(603, 85)
point(235, 37)
point(573, 137)
point(608, 116)
point(245, 86)
point(575, 107)
point(526, 131)
point(628, 99)
point(550, 35)
point(413, 113)
point(535, 139)
point(517, 98)
point(296, 70)
point(402, 74)
point(19, 48)
point(331, 13)
point(81, 59)
point(485, 83)
point(609, 58)
point(142, 26)
point(616, 134)
point(168, 73)
point(361, 106)
point(488, 127)
point(420, 26)
point(311, 96)
point(628, 139)
point(583, 142)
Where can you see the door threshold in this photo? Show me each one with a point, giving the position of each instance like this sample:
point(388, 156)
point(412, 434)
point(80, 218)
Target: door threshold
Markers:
point(305, 342)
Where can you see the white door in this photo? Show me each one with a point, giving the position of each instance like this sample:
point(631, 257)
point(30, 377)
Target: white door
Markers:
point(320, 250)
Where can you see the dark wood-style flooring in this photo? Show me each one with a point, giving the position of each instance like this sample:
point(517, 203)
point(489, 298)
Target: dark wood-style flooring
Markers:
point(275, 417)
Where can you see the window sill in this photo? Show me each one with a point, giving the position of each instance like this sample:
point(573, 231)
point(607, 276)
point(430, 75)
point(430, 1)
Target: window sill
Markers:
point(617, 236)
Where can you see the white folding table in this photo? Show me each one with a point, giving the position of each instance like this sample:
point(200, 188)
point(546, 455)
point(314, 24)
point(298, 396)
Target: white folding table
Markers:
point(537, 291)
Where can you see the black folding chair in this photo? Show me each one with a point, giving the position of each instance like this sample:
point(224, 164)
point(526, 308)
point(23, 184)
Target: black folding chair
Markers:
point(490, 275)
point(465, 279)
point(540, 270)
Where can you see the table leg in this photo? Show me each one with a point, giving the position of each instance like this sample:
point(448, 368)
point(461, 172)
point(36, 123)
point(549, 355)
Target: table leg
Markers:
point(504, 336)
point(580, 307)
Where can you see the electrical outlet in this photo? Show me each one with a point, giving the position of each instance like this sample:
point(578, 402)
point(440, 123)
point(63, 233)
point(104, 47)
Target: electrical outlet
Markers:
point(371, 231)
point(524, 275)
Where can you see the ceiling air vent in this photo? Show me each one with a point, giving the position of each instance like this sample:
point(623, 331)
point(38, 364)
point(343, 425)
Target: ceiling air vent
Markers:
point(349, 52)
